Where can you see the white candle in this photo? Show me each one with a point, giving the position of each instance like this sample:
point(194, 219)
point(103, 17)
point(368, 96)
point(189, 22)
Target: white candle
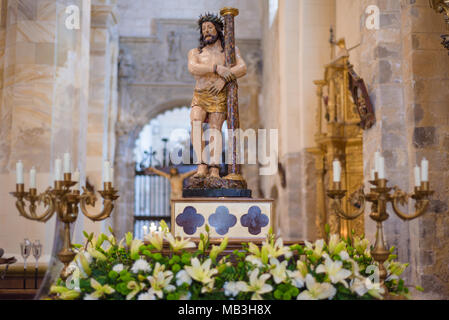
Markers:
point(337, 170)
point(76, 178)
point(106, 172)
point(373, 176)
point(58, 170)
point(376, 161)
point(67, 163)
point(19, 172)
point(153, 227)
point(424, 170)
point(417, 177)
point(381, 168)
point(33, 178)
point(111, 175)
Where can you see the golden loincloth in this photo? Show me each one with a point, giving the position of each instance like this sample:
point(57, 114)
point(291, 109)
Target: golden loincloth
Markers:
point(210, 102)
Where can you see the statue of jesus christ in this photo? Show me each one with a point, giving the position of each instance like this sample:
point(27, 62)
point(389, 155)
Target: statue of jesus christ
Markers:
point(207, 64)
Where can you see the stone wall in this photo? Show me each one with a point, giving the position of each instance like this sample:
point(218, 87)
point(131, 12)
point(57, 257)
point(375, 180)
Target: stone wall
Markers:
point(43, 106)
point(406, 70)
point(102, 113)
point(294, 52)
point(138, 18)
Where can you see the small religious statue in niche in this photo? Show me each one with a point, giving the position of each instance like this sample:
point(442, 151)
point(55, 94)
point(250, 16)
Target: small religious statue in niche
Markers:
point(361, 99)
point(356, 85)
point(176, 180)
point(216, 65)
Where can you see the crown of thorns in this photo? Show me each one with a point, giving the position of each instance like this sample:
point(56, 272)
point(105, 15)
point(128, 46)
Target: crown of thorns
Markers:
point(210, 17)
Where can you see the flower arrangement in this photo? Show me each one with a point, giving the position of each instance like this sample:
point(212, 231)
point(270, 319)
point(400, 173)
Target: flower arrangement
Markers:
point(130, 269)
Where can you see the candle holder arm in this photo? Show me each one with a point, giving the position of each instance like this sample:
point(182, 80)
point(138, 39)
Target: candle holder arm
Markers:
point(401, 198)
point(336, 207)
point(32, 198)
point(88, 198)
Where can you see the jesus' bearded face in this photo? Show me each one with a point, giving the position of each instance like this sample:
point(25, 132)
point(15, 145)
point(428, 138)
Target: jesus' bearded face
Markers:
point(209, 32)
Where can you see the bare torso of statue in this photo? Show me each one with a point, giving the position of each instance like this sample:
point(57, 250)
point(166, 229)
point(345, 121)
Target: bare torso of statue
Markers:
point(212, 55)
point(207, 64)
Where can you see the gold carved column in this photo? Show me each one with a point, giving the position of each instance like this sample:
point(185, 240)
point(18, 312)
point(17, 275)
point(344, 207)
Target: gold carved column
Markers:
point(338, 136)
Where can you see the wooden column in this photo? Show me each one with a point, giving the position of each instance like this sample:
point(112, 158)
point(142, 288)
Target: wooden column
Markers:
point(234, 170)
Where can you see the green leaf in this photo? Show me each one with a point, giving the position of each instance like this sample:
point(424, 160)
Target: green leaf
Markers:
point(327, 228)
point(113, 275)
point(278, 294)
point(419, 288)
point(176, 267)
point(286, 296)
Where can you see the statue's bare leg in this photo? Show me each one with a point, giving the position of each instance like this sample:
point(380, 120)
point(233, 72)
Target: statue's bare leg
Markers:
point(197, 117)
point(216, 120)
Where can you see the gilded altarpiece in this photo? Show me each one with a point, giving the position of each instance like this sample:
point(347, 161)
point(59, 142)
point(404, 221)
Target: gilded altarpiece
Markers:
point(339, 136)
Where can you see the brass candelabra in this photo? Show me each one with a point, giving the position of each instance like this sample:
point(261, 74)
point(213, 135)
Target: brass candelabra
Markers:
point(380, 195)
point(64, 201)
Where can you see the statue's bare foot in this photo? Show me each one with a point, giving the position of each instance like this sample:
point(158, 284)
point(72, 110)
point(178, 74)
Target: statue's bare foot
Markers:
point(215, 172)
point(201, 172)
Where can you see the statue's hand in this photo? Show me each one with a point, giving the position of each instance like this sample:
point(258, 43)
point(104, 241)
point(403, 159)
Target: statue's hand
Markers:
point(225, 73)
point(218, 85)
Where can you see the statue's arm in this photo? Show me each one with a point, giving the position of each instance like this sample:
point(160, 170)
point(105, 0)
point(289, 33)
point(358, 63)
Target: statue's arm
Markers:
point(196, 68)
point(159, 172)
point(188, 174)
point(239, 70)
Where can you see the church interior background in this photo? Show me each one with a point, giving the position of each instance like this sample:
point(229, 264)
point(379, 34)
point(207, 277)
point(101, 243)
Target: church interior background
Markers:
point(118, 89)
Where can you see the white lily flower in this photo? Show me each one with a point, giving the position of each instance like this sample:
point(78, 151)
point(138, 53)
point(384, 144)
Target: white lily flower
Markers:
point(83, 260)
point(156, 239)
point(278, 270)
point(254, 260)
point(233, 288)
point(302, 267)
point(257, 285)
point(100, 290)
point(355, 268)
point(335, 271)
point(335, 245)
point(278, 249)
point(89, 297)
point(316, 290)
point(374, 289)
point(317, 248)
point(159, 280)
point(141, 265)
point(135, 246)
point(118, 268)
point(297, 278)
point(183, 277)
point(146, 296)
point(179, 244)
point(344, 255)
point(208, 287)
point(201, 272)
point(358, 286)
point(362, 246)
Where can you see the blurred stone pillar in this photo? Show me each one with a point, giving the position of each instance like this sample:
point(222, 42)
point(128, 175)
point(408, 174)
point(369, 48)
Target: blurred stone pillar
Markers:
point(405, 70)
point(303, 28)
point(102, 97)
point(43, 107)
